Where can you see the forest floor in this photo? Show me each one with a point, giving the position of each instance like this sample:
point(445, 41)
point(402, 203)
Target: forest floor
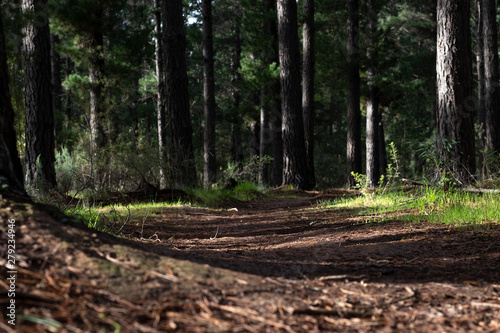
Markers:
point(277, 265)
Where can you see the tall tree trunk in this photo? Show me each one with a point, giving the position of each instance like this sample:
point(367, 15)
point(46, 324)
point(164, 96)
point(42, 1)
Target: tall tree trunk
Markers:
point(354, 158)
point(382, 152)
point(38, 95)
point(97, 117)
point(264, 134)
point(372, 107)
point(160, 94)
point(308, 32)
point(480, 82)
point(57, 90)
point(273, 96)
point(455, 113)
point(177, 101)
point(295, 171)
point(10, 165)
point(491, 77)
point(236, 147)
point(209, 165)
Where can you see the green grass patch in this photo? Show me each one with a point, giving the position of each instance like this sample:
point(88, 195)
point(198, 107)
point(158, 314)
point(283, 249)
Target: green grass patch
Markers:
point(113, 218)
point(430, 204)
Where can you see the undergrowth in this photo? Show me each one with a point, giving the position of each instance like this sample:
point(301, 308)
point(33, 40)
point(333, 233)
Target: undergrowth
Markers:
point(114, 218)
point(430, 204)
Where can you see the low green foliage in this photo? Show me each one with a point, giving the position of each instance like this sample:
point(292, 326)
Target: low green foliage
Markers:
point(216, 196)
point(428, 204)
point(114, 218)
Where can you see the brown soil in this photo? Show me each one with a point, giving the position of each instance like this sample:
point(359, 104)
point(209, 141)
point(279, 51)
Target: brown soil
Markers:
point(281, 265)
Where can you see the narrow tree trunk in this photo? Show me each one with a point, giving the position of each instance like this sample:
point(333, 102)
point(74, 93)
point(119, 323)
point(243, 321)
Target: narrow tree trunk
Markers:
point(236, 147)
point(209, 166)
point(372, 105)
point(480, 81)
point(97, 118)
point(308, 32)
point(455, 113)
point(263, 135)
point(491, 77)
point(57, 90)
point(38, 95)
point(177, 101)
point(354, 158)
point(160, 94)
point(382, 152)
point(10, 165)
point(295, 171)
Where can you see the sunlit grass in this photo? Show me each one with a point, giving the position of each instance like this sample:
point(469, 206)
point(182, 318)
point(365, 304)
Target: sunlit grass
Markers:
point(110, 218)
point(429, 204)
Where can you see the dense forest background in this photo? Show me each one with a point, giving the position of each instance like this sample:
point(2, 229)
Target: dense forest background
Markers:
point(119, 121)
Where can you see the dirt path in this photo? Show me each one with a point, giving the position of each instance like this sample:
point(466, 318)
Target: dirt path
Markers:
point(275, 266)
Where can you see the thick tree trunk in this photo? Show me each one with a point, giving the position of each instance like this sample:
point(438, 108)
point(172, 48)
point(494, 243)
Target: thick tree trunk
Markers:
point(491, 77)
point(455, 113)
point(295, 171)
point(177, 101)
point(273, 97)
point(209, 166)
point(354, 158)
point(308, 31)
point(10, 165)
point(38, 96)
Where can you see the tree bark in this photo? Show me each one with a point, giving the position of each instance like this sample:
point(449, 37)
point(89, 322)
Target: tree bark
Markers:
point(97, 117)
point(160, 94)
point(372, 106)
point(308, 112)
point(57, 90)
point(455, 109)
point(177, 96)
point(10, 165)
point(273, 97)
point(236, 146)
point(491, 76)
point(295, 171)
point(480, 80)
point(38, 95)
point(209, 158)
point(354, 158)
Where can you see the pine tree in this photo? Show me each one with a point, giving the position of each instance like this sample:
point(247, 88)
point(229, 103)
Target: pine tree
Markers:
point(209, 166)
point(38, 95)
point(177, 96)
point(491, 75)
point(353, 94)
point(308, 32)
point(455, 115)
point(295, 171)
point(10, 165)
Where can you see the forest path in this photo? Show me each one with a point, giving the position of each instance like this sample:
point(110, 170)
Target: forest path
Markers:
point(296, 238)
point(282, 265)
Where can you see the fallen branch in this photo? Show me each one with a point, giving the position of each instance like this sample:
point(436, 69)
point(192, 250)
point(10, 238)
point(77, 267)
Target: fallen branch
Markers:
point(479, 190)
